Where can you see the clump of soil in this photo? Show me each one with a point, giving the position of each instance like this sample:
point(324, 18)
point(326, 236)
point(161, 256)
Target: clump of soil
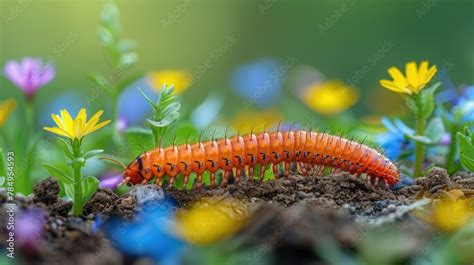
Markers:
point(340, 191)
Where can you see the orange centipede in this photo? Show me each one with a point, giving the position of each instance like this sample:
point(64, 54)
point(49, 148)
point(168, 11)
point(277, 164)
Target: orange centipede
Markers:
point(312, 152)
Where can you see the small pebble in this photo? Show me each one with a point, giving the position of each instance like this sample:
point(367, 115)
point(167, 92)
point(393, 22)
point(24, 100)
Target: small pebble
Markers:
point(391, 208)
point(147, 193)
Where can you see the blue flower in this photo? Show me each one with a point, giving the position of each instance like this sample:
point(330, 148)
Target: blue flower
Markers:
point(149, 235)
point(394, 141)
point(258, 82)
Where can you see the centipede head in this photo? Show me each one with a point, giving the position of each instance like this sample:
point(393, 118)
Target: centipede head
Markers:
point(133, 174)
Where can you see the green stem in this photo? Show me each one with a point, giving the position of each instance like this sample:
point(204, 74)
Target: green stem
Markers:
point(452, 150)
point(30, 124)
point(76, 165)
point(419, 147)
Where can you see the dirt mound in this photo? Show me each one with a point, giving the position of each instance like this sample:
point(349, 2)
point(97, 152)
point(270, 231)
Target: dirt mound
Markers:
point(340, 191)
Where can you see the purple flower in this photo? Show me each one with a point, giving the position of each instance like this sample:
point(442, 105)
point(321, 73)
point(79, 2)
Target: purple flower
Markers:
point(29, 228)
point(110, 181)
point(122, 124)
point(30, 74)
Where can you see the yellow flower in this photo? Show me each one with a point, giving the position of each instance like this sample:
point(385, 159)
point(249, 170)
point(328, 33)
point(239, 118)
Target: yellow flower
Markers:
point(330, 97)
point(414, 81)
point(6, 107)
point(251, 121)
point(209, 221)
point(449, 215)
point(181, 80)
point(78, 127)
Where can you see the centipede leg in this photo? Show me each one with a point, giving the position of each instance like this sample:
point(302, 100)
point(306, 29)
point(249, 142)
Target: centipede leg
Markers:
point(171, 182)
point(225, 179)
point(309, 168)
point(387, 187)
point(275, 170)
point(185, 181)
point(238, 175)
point(213, 180)
point(262, 172)
point(158, 181)
point(199, 182)
point(250, 173)
point(286, 169)
point(301, 168)
point(368, 181)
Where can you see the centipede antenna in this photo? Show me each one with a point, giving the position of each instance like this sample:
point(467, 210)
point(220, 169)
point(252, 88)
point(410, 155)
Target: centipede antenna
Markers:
point(253, 127)
point(174, 140)
point(292, 125)
point(200, 136)
point(278, 127)
point(115, 161)
point(213, 137)
point(225, 132)
point(265, 127)
point(187, 138)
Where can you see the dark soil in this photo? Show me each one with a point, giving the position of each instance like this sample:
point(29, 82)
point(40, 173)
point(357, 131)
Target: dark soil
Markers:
point(290, 217)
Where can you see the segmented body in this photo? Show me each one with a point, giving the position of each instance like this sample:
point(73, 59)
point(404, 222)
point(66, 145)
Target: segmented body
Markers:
point(312, 152)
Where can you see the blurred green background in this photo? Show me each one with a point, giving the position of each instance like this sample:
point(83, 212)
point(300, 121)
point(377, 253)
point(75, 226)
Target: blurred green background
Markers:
point(182, 34)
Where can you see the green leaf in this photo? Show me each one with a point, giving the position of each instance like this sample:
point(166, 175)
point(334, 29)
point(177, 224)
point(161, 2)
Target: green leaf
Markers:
point(466, 149)
point(69, 190)
point(92, 153)
point(170, 118)
point(66, 148)
point(427, 99)
point(412, 103)
point(58, 174)
point(148, 99)
point(100, 80)
point(467, 162)
point(420, 138)
point(435, 130)
point(89, 186)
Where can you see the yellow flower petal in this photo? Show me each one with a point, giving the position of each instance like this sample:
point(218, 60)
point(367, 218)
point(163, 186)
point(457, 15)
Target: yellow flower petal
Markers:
point(431, 72)
point(6, 108)
point(423, 69)
point(412, 74)
point(392, 86)
point(77, 128)
point(82, 114)
point(58, 121)
point(58, 131)
point(98, 126)
point(90, 125)
point(414, 80)
point(67, 120)
point(397, 76)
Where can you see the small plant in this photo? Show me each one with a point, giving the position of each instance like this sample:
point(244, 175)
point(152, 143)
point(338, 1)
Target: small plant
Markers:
point(79, 189)
point(466, 149)
point(120, 55)
point(419, 99)
point(165, 112)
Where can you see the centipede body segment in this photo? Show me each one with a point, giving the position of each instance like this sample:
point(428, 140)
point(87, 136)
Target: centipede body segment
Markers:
point(312, 152)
